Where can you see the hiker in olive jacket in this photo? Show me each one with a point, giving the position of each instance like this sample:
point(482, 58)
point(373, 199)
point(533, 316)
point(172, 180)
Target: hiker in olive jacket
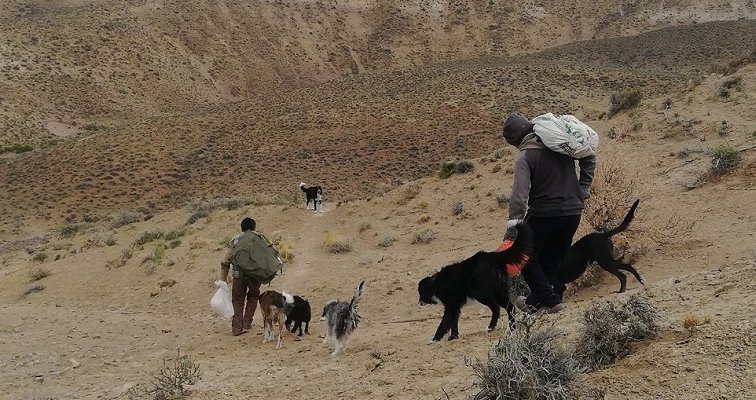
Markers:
point(243, 288)
point(548, 194)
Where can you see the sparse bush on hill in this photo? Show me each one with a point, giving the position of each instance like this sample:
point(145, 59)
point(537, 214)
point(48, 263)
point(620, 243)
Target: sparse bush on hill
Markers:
point(424, 237)
point(365, 226)
point(447, 169)
point(464, 167)
point(455, 167)
point(387, 241)
point(408, 194)
point(202, 208)
point(615, 186)
point(730, 67)
point(170, 382)
point(529, 363)
point(37, 287)
point(625, 100)
point(71, 230)
point(457, 208)
point(608, 330)
point(16, 148)
point(334, 245)
point(174, 234)
point(729, 84)
point(149, 236)
point(38, 274)
point(723, 159)
point(119, 262)
point(124, 218)
point(40, 257)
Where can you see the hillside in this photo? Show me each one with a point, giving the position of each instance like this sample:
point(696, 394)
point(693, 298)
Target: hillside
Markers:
point(94, 331)
point(356, 136)
point(78, 67)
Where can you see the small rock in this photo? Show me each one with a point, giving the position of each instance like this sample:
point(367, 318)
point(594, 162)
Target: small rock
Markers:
point(74, 363)
point(154, 293)
point(167, 330)
point(39, 378)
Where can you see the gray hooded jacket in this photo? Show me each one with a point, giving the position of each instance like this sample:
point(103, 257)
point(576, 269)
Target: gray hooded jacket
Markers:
point(546, 183)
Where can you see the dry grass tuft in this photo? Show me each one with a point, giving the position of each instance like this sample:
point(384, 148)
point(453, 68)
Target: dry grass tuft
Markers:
point(529, 363)
point(424, 237)
point(691, 322)
point(334, 245)
point(169, 382)
point(37, 274)
point(284, 250)
point(408, 194)
point(609, 329)
point(387, 241)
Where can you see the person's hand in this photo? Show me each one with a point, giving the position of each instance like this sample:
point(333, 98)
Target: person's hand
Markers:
point(511, 233)
point(586, 192)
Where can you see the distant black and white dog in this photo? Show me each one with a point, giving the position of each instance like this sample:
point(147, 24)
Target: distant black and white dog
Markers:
point(298, 313)
point(597, 246)
point(341, 320)
point(482, 277)
point(314, 194)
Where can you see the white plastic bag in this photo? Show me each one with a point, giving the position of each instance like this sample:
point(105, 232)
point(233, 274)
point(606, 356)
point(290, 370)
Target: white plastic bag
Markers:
point(566, 134)
point(221, 302)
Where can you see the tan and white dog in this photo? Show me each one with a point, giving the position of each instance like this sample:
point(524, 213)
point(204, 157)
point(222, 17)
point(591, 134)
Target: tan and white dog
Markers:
point(272, 307)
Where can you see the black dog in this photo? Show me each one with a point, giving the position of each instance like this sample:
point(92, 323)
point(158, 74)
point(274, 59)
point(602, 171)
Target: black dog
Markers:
point(298, 313)
point(597, 247)
point(482, 277)
point(314, 194)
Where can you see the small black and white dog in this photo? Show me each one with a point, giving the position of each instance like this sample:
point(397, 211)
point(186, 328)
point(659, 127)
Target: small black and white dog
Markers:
point(298, 312)
point(314, 194)
point(597, 246)
point(341, 320)
point(482, 277)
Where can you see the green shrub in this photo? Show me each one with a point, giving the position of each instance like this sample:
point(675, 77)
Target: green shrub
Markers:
point(16, 148)
point(149, 236)
point(723, 159)
point(625, 100)
point(72, 230)
point(729, 84)
point(447, 169)
point(40, 257)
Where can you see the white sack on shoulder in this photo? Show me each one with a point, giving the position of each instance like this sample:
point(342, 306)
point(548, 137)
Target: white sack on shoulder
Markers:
point(566, 134)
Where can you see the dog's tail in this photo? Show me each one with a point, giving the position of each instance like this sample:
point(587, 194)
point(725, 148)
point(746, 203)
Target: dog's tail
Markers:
point(357, 296)
point(287, 298)
point(625, 222)
point(302, 186)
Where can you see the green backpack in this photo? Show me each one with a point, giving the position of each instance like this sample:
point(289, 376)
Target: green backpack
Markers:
point(256, 258)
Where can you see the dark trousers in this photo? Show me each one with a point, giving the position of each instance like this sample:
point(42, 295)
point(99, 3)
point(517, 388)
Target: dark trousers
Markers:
point(241, 290)
point(553, 236)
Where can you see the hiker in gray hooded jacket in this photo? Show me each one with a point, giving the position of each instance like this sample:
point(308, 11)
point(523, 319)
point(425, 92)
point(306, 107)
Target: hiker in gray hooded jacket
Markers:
point(548, 194)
